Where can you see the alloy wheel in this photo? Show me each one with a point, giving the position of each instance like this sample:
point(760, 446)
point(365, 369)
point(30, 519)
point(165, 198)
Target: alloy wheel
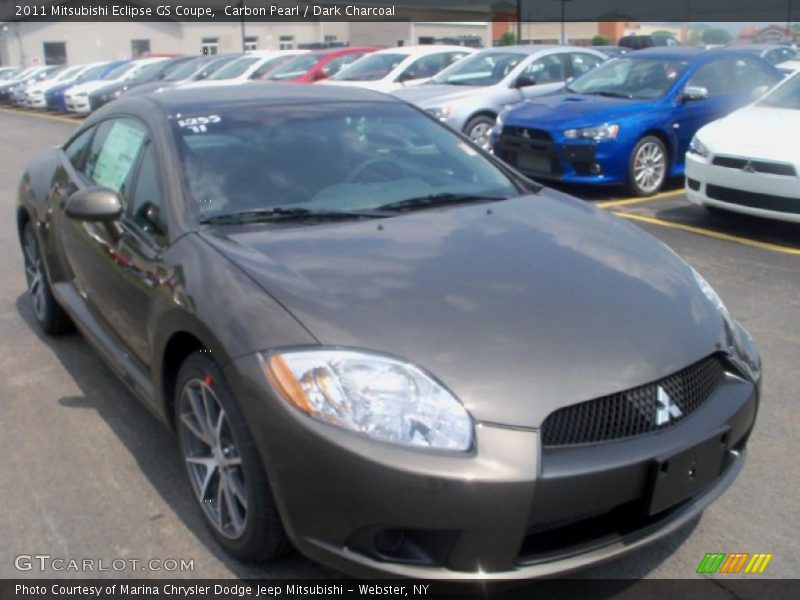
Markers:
point(212, 458)
point(649, 167)
point(34, 273)
point(480, 135)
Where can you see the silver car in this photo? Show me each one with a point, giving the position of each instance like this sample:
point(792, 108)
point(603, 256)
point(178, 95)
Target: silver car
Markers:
point(469, 94)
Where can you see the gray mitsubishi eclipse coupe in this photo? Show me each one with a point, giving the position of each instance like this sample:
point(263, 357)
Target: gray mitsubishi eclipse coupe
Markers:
point(380, 344)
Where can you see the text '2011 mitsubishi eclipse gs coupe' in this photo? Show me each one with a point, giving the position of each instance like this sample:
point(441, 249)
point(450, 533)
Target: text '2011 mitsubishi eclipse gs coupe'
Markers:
point(379, 343)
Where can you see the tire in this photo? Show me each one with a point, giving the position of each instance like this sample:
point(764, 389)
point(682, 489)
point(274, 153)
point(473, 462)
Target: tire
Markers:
point(243, 489)
point(647, 166)
point(477, 129)
point(48, 312)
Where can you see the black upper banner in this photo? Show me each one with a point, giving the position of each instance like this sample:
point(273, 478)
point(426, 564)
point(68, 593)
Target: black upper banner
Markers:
point(780, 11)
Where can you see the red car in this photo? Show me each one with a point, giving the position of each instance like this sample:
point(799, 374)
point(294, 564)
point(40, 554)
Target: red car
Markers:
point(317, 65)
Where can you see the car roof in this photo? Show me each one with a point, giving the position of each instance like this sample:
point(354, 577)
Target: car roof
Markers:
point(195, 100)
point(754, 47)
point(345, 50)
point(423, 49)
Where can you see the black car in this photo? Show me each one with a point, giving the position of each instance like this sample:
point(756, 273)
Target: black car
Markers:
point(640, 42)
point(381, 344)
point(155, 72)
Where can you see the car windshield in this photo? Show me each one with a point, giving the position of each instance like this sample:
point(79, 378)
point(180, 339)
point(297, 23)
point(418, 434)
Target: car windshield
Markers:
point(92, 73)
point(120, 71)
point(486, 68)
point(638, 79)
point(370, 68)
point(343, 157)
point(235, 68)
point(67, 73)
point(150, 72)
point(185, 70)
point(784, 96)
point(295, 68)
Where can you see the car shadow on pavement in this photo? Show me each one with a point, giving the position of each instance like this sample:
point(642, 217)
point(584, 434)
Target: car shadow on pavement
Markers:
point(154, 448)
point(152, 445)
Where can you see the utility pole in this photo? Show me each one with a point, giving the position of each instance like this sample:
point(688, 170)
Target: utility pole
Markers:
point(519, 21)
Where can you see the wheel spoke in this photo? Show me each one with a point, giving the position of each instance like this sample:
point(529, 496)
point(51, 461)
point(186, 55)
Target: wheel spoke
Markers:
point(236, 519)
point(208, 476)
point(232, 481)
point(195, 425)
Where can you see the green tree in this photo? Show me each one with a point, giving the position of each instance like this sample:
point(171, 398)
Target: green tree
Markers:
point(600, 40)
point(507, 39)
point(694, 38)
point(662, 32)
point(715, 35)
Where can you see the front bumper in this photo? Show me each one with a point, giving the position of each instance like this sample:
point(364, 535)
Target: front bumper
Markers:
point(78, 104)
point(537, 154)
point(508, 510)
point(766, 195)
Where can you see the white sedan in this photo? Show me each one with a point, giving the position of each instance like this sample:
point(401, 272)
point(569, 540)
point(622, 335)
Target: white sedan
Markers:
point(394, 68)
point(749, 161)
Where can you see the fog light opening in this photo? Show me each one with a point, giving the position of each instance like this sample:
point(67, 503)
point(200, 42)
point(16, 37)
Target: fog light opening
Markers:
point(389, 541)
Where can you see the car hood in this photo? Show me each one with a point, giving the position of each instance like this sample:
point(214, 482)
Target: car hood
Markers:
point(432, 94)
point(755, 132)
point(519, 307)
point(572, 110)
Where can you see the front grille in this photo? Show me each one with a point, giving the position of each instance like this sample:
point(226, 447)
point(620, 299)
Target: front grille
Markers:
point(753, 200)
point(757, 166)
point(528, 133)
point(633, 412)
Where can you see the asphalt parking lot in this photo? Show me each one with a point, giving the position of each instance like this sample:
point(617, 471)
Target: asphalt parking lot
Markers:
point(89, 473)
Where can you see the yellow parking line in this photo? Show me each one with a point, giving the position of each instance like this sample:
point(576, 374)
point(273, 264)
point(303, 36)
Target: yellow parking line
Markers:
point(69, 120)
point(627, 201)
point(709, 233)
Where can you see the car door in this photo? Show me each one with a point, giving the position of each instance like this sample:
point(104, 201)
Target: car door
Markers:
point(691, 113)
point(730, 84)
point(115, 266)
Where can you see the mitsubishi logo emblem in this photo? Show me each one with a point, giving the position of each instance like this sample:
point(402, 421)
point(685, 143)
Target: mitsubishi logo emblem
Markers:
point(666, 410)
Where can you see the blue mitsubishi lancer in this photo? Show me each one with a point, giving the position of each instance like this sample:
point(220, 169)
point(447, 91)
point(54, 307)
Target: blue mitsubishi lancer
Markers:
point(630, 120)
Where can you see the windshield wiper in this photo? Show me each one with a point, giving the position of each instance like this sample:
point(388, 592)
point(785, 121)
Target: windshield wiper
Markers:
point(612, 94)
point(434, 200)
point(280, 213)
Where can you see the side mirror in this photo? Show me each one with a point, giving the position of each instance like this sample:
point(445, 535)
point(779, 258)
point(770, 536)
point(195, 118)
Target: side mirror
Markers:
point(569, 80)
point(524, 81)
point(98, 204)
point(403, 77)
point(694, 92)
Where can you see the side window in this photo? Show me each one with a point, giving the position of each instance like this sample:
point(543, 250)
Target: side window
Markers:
point(713, 77)
point(427, 66)
point(548, 69)
point(146, 202)
point(454, 57)
point(750, 74)
point(335, 65)
point(113, 154)
point(583, 62)
point(76, 148)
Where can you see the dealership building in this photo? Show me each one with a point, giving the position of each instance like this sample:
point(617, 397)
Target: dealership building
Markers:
point(63, 42)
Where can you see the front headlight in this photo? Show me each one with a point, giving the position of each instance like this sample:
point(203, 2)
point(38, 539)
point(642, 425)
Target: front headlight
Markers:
point(698, 147)
point(607, 131)
point(441, 112)
point(374, 395)
point(741, 347)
